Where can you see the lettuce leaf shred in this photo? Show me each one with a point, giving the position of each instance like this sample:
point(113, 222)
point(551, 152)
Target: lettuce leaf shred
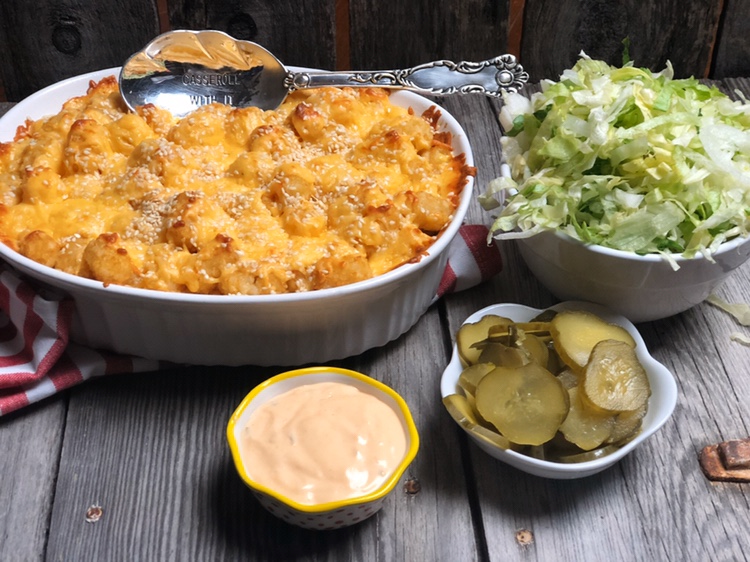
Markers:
point(625, 158)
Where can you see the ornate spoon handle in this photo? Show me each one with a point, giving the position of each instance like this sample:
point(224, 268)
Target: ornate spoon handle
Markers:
point(436, 78)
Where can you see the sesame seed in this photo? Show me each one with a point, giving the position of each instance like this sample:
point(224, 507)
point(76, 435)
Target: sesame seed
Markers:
point(207, 205)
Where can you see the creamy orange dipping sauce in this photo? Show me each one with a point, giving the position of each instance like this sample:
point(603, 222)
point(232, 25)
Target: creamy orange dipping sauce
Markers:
point(323, 442)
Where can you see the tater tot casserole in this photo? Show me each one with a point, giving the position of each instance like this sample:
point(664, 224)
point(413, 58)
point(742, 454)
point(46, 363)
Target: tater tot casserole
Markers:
point(334, 187)
point(225, 201)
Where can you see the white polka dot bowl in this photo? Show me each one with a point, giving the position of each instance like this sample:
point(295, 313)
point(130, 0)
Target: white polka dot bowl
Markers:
point(332, 514)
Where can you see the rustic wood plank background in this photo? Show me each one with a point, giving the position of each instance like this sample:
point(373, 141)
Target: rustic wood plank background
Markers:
point(150, 449)
point(45, 41)
point(404, 34)
point(683, 31)
point(112, 442)
point(733, 50)
point(286, 28)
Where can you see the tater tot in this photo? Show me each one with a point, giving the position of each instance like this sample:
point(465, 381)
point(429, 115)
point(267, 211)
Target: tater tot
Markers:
point(335, 186)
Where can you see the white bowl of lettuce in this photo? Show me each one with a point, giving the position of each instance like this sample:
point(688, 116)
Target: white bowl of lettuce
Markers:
point(625, 187)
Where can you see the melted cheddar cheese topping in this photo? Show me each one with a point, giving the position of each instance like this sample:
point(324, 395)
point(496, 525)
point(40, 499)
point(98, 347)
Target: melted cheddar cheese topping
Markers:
point(335, 186)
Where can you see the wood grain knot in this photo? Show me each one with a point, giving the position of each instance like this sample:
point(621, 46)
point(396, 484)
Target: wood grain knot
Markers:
point(66, 38)
point(242, 26)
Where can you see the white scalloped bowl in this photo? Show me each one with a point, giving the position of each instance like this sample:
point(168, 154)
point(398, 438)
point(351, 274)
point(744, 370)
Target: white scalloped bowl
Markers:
point(661, 404)
point(286, 329)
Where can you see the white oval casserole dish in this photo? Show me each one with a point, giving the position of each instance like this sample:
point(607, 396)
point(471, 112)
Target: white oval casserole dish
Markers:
point(285, 329)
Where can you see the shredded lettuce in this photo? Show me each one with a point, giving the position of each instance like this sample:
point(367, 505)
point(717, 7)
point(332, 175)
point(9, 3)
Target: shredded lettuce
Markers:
point(625, 158)
point(740, 311)
point(740, 338)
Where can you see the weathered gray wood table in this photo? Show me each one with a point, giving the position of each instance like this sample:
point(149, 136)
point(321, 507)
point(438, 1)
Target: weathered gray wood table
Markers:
point(150, 450)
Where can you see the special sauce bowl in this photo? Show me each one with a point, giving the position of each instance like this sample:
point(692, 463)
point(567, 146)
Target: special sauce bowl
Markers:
point(284, 329)
point(661, 404)
point(331, 514)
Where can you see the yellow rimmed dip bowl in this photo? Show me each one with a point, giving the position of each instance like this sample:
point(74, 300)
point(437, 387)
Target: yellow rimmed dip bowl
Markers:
point(331, 514)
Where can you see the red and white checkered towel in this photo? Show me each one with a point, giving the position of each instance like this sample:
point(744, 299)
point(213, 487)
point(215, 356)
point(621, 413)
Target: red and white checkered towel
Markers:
point(37, 360)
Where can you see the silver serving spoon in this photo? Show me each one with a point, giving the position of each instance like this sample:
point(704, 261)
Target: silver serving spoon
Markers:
point(182, 70)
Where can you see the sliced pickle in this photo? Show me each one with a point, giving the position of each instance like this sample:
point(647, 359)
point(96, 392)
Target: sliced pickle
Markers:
point(470, 376)
point(614, 379)
point(584, 427)
point(502, 355)
point(461, 411)
point(558, 446)
point(502, 333)
point(566, 386)
point(576, 332)
point(627, 425)
point(534, 348)
point(470, 334)
point(568, 378)
point(545, 316)
point(554, 364)
point(526, 404)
